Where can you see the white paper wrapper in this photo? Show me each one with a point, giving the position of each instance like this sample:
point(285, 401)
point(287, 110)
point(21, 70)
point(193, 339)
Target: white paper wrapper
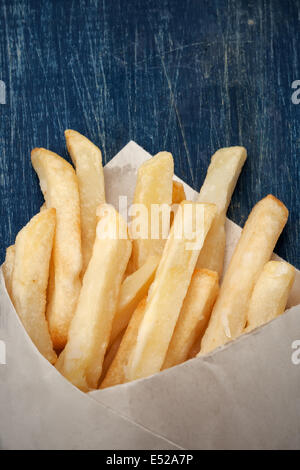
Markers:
point(244, 395)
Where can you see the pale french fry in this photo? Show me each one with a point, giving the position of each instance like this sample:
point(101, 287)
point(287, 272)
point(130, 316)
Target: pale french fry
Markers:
point(8, 267)
point(194, 316)
point(218, 186)
point(82, 359)
point(169, 288)
point(58, 183)
point(30, 278)
point(154, 186)
point(270, 293)
point(133, 289)
point(254, 249)
point(8, 264)
point(87, 159)
point(110, 355)
point(116, 373)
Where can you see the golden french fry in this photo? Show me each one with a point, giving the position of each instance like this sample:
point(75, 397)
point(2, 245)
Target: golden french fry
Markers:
point(258, 239)
point(81, 361)
point(8, 267)
point(169, 287)
point(58, 183)
point(30, 278)
point(218, 186)
point(178, 193)
point(195, 348)
point(270, 293)
point(194, 316)
point(116, 374)
point(110, 355)
point(87, 159)
point(133, 289)
point(154, 186)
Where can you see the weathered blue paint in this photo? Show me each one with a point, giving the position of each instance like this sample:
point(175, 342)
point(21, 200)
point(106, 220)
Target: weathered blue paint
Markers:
point(186, 76)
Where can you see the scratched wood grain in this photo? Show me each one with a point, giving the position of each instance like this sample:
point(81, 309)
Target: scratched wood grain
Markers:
point(185, 76)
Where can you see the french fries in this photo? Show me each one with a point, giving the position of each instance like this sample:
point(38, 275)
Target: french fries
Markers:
point(169, 289)
point(8, 267)
point(154, 186)
point(120, 305)
point(87, 159)
point(81, 361)
point(194, 316)
point(116, 373)
point(133, 289)
point(222, 175)
point(178, 193)
point(254, 249)
point(110, 355)
point(195, 348)
point(30, 278)
point(270, 293)
point(59, 185)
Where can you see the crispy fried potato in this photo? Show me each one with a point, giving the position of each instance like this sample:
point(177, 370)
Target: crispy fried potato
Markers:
point(169, 288)
point(195, 348)
point(133, 289)
point(258, 239)
point(194, 316)
point(30, 278)
point(270, 293)
point(58, 183)
point(8, 267)
point(110, 355)
point(178, 195)
point(222, 175)
point(87, 159)
point(154, 186)
point(82, 359)
point(116, 373)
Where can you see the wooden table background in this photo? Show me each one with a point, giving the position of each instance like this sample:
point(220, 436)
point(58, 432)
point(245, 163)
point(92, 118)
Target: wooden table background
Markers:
point(188, 76)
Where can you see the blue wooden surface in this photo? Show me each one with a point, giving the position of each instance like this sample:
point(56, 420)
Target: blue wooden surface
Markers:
point(185, 76)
